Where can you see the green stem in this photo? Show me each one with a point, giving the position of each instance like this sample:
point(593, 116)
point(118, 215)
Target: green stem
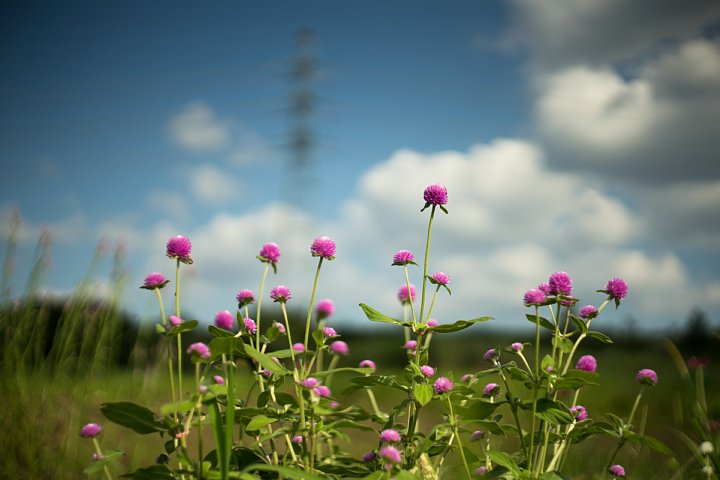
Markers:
point(171, 373)
point(412, 307)
point(310, 306)
point(296, 378)
point(457, 435)
point(179, 335)
point(257, 320)
point(621, 442)
point(432, 305)
point(425, 262)
point(198, 407)
point(99, 452)
point(536, 385)
point(229, 417)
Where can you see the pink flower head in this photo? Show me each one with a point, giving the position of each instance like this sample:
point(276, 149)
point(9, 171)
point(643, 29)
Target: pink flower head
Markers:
point(517, 347)
point(325, 308)
point(297, 439)
point(368, 364)
point(647, 377)
point(390, 435)
point(219, 380)
point(432, 323)
point(617, 470)
point(403, 294)
point(403, 257)
point(269, 253)
point(442, 385)
point(298, 347)
point(339, 347)
point(545, 288)
point(280, 327)
point(697, 362)
point(369, 456)
point(491, 390)
point(435, 194)
point(310, 382)
point(96, 457)
point(250, 325)
point(280, 294)
point(588, 311)
point(202, 388)
point(245, 297)
point(440, 278)
point(323, 247)
point(587, 363)
point(179, 247)
point(91, 430)
point(224, 319)
point(427, 370)
point(491, 354)
point(480, 470)
point(154, 280)
point(410, 345)
point(560, 284)
point(616, 288)
point(390, 454)
point(200, 349)
point(477, 435)
point(322, 391)
point(330, 332)
point(175, 321)
point(467, 378)
point(334, 404)
point(579, 412)
point(534, 296)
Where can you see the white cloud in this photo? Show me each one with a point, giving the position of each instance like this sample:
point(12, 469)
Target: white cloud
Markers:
point(198, 128)
point(170, 203)
point(211, 185)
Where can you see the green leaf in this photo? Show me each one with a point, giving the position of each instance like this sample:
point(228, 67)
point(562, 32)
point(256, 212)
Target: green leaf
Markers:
point(286, 471)
point(579, 323)
point(319, 337)
point(600, 336)
point(379, 380)
point(133, 416)
point(187, 326)
point(154, 472)
point(479, 410)
point(259, 421)
point(219, 434)
point(264, 360)
point(109, 456)
point(651, 442)
point(575, 379)
point(219, 332)
point(544, 322)
point(376, 316)
point(504, 460)
point(555, 413)
point(564, 344)
point(518, 374)
point(423, 393)
point(324, 373)
point(547, 361)
point(458, 325)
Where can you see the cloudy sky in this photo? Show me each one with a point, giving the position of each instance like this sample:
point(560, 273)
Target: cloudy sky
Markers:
point(571, 135)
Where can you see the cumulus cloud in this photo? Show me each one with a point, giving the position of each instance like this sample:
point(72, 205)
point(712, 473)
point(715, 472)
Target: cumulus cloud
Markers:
point(211, 185)
point(198, 128)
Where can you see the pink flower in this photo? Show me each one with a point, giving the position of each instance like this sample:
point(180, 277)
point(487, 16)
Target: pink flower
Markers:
point(369, 456)
point(325, 308)
point(403, 294)
point(224, 319)
point(280, 294)
point(480, 470)
point(432, 323)
point(322, 391)
point(403, 257)
point(588, 311)
point(297, 439)
point(310, 382)
point(533, 296)
point(617, 470)
point(427, 370)
point(491, 390)
point(560, 284)
point(435, 194)
point(330, 332)
point(179, 247)
point(647, 377)
point(410, 345)
point(390, 454)
point(616, 288)
point(440, 278)
point(269, 253)
point(517, 346)
point(219, 380)
point(368, 364)
point(323, 247)
point(334, 404)
point(442, 385)
point(298, 347)
point(390, 435)
point(250, 325)
point(245, 297)
point(339, 347)
point(467, 378)
point(544, 287)
point(91, 430)
point(200, 349)
point(154, 280)
point(587, 363)
point(579, 412)
point(491, 354)
point(477, 435)
point(175, 321)
point(202, 388)
point(280, 327)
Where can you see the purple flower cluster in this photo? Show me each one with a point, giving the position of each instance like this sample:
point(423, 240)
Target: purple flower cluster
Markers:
point(91, 430)
point(390, 454)
point(436, 194)
point(647, 377)
point(390, 435)
point(270, 253)
point(534, 296)
point(179, 247)
point(310, 382)
point(175, 321)
point(560, 284)
point(330, 332)
point(323, 247)
point(579, 412)
point(200, 349)
point(154, 280)
point(440, 278)
point(250, 325)
point(325, 308)
point(403, 257)
point(368, 364)
point(616, 288)
point(587, 363)
point(245, 297)
point(339, 347)
point(280, 294)
point(617, 470)
point(588, 311)
point(427, 370)
point(224, 319)
point(403, 294)
point(442, 385)
point(517, 347)
point(491, 390)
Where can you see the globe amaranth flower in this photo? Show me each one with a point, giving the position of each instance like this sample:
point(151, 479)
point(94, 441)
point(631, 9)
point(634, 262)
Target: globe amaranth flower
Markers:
point(298, 347)
point(154, 280)
point(200, 349)
point(280, 294)
point(245, 297)
point(647, 377)
point(322, 391)
point(323, 247)
point(432, 323)
point(297, 439)
point(705, 448)
point(403, 257)
point(560, 284)
point(442, 385)
point(390, 435)
point(534, 296)
point(477, 435)
point(224, 319)
point(90, 430)
point(435, 194)
point(280, 327)
point(175, 321)
point(427, 370)
point(587, 363)
point(219, 380)
point(269, 253)
point(491, 354)
point(440, 278)
point(481, 470)
point(544, 287)
point(468, 378)
point(179, 247)
point(517, 347)
point(390, 454)
point(325, 308)
point(588, 311)
point(329, 332)
point(491, 390)
point(250, 325)
point(310, 382)
point(579, 412)
point(617, 470)
point(368, 364)
point(616, 288)
point(96, 457)
point(410, 345)
point(339, 347)
point(403, 294)
point(369, 456)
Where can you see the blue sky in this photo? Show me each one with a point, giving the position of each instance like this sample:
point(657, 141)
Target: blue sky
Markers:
point(571, 135)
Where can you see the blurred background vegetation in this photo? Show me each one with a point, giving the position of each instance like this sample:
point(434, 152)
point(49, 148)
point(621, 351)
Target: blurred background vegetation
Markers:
point(62, 356)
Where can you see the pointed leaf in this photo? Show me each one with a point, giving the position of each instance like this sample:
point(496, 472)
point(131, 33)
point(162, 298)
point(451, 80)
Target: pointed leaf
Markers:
point(600, 336)
point(376, 316)
point(458, 325)
point(133, 416)
point(543, 322)
point(264, 360)
point(555, 413)
point(423, 393)
point(504, 460)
